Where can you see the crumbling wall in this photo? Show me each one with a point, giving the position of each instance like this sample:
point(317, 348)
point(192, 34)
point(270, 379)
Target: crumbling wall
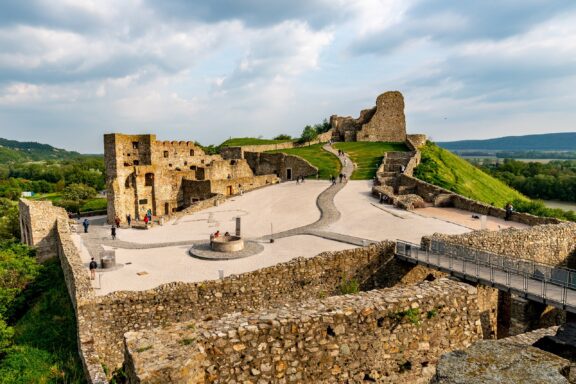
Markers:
point(37, 226)
point(279, 163)
point(388, 123)
point(389, 335)
point(384, 122)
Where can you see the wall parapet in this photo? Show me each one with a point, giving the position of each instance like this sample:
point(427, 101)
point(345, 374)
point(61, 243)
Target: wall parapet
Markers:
point(397, 334)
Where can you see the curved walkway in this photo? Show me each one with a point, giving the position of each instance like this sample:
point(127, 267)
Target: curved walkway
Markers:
point(329, 214)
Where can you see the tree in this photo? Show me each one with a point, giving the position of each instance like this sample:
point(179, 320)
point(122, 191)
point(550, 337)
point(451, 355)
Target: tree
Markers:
point(283, 136)
point(78, 192)
point(308, 134)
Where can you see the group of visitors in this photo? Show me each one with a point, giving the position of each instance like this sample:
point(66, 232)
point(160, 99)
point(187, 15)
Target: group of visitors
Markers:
point(299, 179)
point(217, 234)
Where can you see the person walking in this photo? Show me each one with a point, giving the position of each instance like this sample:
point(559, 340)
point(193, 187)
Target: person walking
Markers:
point(509, 209)
point(86, 224)
point(113, 232)
point(117, 221)
point(92, 266)
point(129, 219)
point(341, 177)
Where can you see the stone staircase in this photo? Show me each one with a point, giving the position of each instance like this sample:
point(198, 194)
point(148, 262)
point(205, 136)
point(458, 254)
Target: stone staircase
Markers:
point(391, 168)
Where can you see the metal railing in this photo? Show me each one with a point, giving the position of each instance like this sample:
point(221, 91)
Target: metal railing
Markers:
point(554, 285)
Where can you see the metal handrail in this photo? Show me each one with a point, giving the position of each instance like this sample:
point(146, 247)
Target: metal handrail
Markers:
point(497, 265)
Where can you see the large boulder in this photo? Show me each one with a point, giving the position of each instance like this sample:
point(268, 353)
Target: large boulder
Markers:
point(488, 362)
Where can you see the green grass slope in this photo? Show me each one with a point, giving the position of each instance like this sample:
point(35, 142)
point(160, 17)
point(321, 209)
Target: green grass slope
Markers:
point(444, 169)
point(241, 141)
point(368, 156)
point(327, 163)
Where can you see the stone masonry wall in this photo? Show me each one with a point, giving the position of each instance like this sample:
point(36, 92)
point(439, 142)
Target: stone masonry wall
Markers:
point(547, 244)
point(279, 163)
point(443, 197)
point(388, 123)
point(37, 226)
point(389, 335)
point(112, 315)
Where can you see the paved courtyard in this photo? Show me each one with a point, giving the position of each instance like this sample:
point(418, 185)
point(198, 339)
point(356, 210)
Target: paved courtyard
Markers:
point(304, 220)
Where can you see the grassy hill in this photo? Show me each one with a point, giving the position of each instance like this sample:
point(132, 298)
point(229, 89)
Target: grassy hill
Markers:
point(443, 168)
point(368, 156)
point(240, 141)
point(543, 142)
point(17, 151)
point(327, 163)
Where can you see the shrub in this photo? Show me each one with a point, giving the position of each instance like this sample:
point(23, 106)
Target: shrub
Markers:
point(349, 286)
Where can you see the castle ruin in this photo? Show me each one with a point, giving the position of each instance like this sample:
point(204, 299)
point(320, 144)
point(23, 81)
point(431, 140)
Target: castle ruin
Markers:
point(384, 122)
point(165, 177)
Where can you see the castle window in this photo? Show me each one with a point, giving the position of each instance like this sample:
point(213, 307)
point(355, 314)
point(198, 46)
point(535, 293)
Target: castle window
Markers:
point(178, 169)
point(128, 183)
point(232, 162)
point(165, 153)
point(169, 165)
point(134, 145)
point(126, 164)
point(191, 152)
point(193, 167)
point(185, 163)
point(149, 179)
point(143, 201)
point(136, 162)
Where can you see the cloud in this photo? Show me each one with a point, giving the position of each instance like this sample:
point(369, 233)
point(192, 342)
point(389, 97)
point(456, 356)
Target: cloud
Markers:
point(253, 13)
point(455, 21)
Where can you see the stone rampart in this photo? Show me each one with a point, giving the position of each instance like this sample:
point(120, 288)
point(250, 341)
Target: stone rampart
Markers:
point(37, 226)
point(546, 244)
point(389, 335)
point(299, 279)
point(445, 198)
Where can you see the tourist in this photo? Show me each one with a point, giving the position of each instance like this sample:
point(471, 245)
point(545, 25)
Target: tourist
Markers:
point(85, 223)
point(129, 219)
point(117, 221)
point(227, 234)
point(509, 209)
point(217, 234)
point(302, 179)
point(341, 177)
point(149, 214)
point(402, 168)
point(333, 178)
point(113, 231)
point(146, 220)
point(297, 179)
point(92, 266)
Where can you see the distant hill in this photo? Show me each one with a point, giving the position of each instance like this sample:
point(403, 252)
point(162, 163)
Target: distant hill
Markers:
point(17, 151)
point(543, 142)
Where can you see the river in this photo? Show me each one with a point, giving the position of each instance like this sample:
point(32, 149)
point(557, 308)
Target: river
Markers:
point(566, 205)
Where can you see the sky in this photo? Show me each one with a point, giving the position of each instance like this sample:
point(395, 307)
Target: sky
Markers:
point(72, 70)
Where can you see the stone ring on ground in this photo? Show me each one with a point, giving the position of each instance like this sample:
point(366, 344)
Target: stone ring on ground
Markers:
point(204, 251)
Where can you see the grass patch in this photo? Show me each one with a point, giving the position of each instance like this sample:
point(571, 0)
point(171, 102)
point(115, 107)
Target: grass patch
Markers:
point(368, 156)
point(54, 196)
point(97, 204)
point(45, 347)
point(241, 141)
point(444, 169)
point(327, 163)
point(349, 286)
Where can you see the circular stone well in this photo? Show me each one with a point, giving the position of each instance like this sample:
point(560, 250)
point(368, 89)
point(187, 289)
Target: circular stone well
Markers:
point(205, 251)
point(227, 244)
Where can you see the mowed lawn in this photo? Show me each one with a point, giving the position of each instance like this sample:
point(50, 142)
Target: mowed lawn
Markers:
point(240, 141)
point(328, 164)
point(368, 156)
point(95, 204)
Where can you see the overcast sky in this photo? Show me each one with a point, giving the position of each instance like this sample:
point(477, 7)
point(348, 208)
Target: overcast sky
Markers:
point(205, 70)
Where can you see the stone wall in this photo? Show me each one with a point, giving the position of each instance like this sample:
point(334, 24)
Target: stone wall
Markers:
point(239, 152)
point(389, 335)
point(279, 164)
point(299, 279)
point(37, 226)
point(546, 244)
point(388, 123)
point(385, 122)
point(444, 198)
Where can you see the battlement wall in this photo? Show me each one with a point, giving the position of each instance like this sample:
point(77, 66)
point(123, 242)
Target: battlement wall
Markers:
point(391, 335)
